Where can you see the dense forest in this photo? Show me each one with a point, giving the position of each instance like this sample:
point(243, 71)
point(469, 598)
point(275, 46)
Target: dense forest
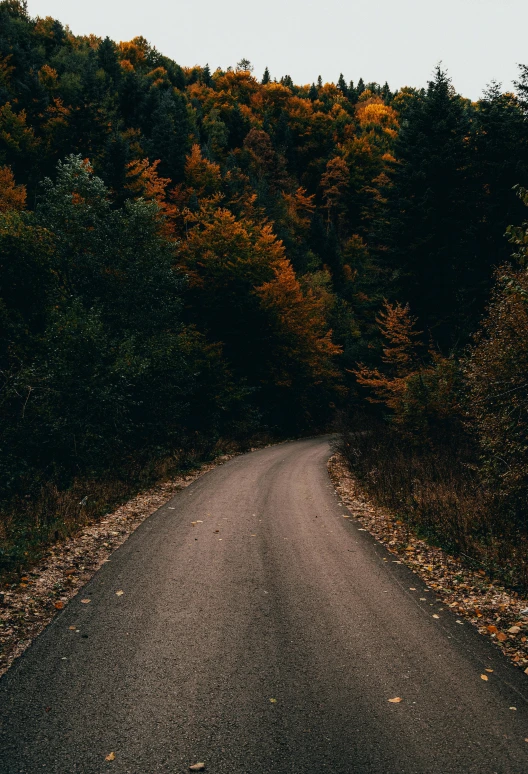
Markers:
point(191, 258)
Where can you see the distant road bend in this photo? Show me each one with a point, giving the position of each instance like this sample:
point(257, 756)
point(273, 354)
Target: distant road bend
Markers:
point(260, 632)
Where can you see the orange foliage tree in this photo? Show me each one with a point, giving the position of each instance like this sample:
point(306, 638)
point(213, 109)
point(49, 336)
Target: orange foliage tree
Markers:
point(244, 293)
point(12, 196)
point(420, 393)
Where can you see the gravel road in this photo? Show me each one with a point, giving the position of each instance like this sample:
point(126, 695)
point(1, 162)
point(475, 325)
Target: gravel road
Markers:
point(260, 632)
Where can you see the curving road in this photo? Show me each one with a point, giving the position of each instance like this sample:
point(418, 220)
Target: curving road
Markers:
point(266, 638)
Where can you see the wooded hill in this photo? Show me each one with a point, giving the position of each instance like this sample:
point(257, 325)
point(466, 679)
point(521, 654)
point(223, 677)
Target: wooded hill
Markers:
point(189, 257)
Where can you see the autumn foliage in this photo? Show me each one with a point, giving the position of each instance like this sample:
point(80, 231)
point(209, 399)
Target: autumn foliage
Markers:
point(190, 256)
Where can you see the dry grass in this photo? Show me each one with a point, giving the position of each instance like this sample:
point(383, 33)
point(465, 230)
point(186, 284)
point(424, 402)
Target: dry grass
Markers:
point(436, 490)
point(29, 524)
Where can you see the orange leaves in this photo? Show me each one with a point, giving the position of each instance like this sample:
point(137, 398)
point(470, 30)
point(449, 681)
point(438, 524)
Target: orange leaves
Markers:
point(400, 340)
point(12, 196)
point(48, 77)
point(6, 70)
point(143, 180)
point(302, 334)
point(134, 52)
point(18, 137)
point(417, 393)
point(334, 183)
point(201, 175)
point(300, 207)
point(374, 112)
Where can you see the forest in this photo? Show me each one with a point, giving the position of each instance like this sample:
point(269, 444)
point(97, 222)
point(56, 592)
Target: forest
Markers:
point(192, 259)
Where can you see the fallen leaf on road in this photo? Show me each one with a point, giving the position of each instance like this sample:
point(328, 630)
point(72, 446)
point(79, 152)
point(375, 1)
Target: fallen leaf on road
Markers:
point(197, 767)
point(59, 605)
point(119, 593)
point(489, 670)
point(514, 709)
point(435, 616)
point(411, 588)
point(501, 637)
point(110, 757)
point(492, 629)
point(86, 601)
point(273, 701)
point(484, 677)
point(514, 630)
point(396, 700)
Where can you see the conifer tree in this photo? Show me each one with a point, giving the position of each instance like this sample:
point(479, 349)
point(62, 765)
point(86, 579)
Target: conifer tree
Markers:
point(342, 86)
point(426, 231)
point(169, 139)
point(266, 77)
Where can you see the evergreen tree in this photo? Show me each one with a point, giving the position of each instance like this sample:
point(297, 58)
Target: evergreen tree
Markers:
point(342, 86)
point(238, 128)
point(169, 139)
point(426, 228)
point(109, 61)
point(206, 76)
point(313, 93)
point(266, 77)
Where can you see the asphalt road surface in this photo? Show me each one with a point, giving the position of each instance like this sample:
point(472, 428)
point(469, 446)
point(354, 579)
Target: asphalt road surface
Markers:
point(265, 638)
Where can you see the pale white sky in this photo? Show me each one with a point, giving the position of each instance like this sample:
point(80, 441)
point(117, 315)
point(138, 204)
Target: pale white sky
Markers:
point(396, 40)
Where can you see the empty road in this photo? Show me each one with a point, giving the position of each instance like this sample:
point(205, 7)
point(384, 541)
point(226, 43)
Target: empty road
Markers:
point(265, 638)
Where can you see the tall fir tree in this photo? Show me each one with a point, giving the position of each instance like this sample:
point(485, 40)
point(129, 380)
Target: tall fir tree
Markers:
point(426, 232)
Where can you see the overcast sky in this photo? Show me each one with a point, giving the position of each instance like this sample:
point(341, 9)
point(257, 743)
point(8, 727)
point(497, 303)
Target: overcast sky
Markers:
point(396, 40)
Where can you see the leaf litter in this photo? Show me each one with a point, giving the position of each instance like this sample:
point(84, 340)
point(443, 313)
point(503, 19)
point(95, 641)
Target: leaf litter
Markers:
point(26, 608)
point(497, 612)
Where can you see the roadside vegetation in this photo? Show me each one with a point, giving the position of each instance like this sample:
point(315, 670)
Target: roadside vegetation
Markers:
point(191, 260)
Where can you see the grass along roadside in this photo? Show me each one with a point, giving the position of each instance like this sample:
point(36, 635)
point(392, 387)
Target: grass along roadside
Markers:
point(29, 604)
point(497, 612)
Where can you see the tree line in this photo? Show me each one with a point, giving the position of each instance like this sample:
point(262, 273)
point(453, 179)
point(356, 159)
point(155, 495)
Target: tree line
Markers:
point(188, 256)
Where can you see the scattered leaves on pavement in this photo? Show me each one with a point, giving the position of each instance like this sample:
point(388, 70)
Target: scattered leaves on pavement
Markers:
point(396, 700)
point(197, 767)
point(497, 612)
point(119, 593)
point(26, 608)
point(110, 757)
point(484, 677)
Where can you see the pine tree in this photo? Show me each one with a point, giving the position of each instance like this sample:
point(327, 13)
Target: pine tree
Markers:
point(266, 77)
point(342, 86)
point(108, 60)
point(313, 94)
point(206, 76)
point(426, 228)
point(169, 139)
point(238, 128)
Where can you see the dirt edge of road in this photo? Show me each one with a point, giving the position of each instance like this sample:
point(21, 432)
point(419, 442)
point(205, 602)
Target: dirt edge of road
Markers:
point(495, 611)
point(28, 607)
